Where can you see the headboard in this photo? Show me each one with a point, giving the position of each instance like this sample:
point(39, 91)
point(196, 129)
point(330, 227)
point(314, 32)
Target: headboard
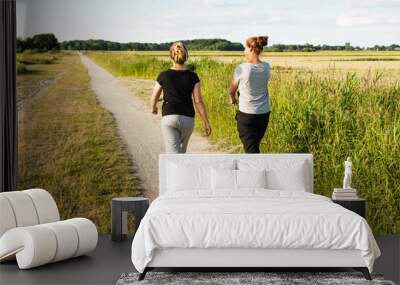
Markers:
point(164, 159)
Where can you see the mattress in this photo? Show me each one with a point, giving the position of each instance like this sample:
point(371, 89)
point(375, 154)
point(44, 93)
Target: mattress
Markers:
point(250, 219)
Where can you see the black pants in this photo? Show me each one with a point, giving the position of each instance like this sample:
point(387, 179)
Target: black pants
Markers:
point(251, 128)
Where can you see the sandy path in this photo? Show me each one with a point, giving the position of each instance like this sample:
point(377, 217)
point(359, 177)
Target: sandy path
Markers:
point(139, 129)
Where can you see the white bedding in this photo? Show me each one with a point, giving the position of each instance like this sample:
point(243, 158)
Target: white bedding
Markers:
point(251, 218)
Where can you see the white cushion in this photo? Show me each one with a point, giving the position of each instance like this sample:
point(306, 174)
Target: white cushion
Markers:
point(23, 208)
point(186, 175)
point(67, 240)
point(251, 178)
point(226, 179)
point(223, 179)
point(292, 179)
point(45, 205)
point(282, 174)
point(26, 208)
point(87, 233)
point(7, 218)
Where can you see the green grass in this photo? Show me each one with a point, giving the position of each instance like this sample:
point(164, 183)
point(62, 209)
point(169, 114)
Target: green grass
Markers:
point(327, 114)
point(21, 68)
point(32, 80)
point(28, 57)
point(68, 144)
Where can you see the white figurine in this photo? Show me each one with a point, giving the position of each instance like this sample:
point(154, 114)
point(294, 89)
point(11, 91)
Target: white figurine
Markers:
point(347, 174)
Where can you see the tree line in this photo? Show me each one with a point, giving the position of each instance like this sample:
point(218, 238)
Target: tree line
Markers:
point(48, 42)
point(197, 44)
point(311, 47)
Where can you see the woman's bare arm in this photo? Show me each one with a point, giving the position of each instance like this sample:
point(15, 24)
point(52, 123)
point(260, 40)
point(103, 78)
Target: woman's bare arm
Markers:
point(155, 96)
point(232, 91)
point(201, 108)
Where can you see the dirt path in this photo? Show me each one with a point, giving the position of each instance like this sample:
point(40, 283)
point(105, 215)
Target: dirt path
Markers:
point(139, 129)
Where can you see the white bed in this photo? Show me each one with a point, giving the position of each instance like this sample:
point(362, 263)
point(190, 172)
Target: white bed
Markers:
point(201, 220)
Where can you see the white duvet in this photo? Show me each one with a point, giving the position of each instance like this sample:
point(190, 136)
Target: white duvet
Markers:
point(253, 218)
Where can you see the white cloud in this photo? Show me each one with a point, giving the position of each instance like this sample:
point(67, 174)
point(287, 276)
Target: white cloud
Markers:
point(356, 20)
point(393, 21)
point(349, 21)
point(212, 3)
point(375, 3)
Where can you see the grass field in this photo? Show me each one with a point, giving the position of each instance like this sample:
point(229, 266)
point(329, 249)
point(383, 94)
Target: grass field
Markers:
point(271, 54)
point(361, 62)
point(331, 113)
point(68, 144)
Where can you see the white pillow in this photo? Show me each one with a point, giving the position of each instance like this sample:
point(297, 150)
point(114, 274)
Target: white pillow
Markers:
point(226, 179)
point(186, 178)
point(223, 179)
point(292, 179)
point(281, 174)
point(193, 175)
point(251, 178)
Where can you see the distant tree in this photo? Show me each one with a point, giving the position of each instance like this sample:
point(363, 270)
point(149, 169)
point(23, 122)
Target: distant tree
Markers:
point(45, 42)
point(40, 43)
point(21, 45)
point(347, 46)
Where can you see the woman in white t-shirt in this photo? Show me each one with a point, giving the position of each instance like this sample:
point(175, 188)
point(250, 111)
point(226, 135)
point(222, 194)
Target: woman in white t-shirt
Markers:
point(250, 79)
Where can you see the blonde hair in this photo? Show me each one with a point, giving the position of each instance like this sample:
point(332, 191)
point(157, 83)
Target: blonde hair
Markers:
point(178, 52)
point(256, 44)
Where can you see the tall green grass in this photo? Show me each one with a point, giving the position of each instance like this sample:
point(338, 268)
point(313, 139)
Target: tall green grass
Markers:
point(327, 114)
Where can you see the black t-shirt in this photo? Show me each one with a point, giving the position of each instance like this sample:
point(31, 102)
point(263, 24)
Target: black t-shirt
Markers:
point(177, 86)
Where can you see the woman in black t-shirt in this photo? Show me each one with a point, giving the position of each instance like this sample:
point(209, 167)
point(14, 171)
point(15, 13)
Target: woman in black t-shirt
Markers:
point(178, 85)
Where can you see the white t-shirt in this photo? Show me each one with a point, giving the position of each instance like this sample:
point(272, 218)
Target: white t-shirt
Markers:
point(253, 87)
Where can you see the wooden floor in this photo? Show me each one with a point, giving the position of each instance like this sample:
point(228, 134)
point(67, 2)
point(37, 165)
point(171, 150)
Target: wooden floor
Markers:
point(111, 259)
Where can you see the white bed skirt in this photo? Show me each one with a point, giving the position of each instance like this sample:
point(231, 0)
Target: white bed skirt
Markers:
point(190, 257)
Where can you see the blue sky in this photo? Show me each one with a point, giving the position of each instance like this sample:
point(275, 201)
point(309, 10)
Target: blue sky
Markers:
point(362, 22)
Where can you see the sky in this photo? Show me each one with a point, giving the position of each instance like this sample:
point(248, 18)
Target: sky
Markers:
point(335, 22)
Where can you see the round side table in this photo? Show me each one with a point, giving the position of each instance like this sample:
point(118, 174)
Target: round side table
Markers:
point(119, 213)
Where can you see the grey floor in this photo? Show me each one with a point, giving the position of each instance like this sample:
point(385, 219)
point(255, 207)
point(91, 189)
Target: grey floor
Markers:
point(103, 266)
point(111, 259)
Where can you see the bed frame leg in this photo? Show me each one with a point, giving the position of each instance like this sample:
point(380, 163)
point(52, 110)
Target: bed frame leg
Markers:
point(143, 274)
point(364, 271)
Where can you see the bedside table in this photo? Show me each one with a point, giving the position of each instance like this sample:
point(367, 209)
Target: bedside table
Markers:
point(357, 205)
point(119, 213)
